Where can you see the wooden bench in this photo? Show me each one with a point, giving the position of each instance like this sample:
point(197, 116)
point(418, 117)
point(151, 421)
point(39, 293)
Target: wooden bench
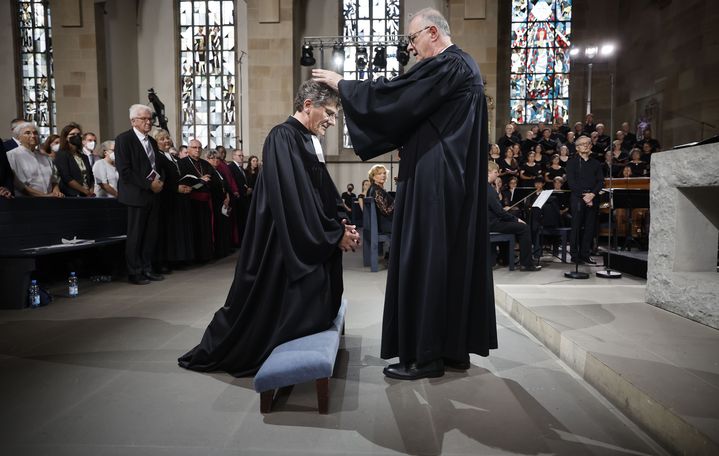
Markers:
point(30, 226)
point(495, 237)
point(302, 360)
point(372, 240)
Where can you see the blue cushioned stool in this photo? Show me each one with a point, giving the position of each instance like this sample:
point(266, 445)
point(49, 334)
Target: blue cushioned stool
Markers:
point(301, 360)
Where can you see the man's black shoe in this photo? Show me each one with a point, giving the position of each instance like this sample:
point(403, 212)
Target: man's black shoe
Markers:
point(530, 268)
point(456, 365)
point(138, 279)
point(412, 371)
point(588, 260)
point(152, 276)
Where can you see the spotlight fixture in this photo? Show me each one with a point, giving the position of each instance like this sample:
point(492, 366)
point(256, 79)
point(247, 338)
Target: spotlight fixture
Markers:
point(402, 53)
point(338, 55)
point(307, 58)
point(574, 52)
point(361, 59)
point(380, 58)
point(591, 52)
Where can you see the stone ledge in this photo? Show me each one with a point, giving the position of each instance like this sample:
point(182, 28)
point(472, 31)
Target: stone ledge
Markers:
point(588, 333)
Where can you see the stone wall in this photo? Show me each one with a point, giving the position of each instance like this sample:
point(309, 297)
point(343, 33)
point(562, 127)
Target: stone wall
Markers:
point(682, 270)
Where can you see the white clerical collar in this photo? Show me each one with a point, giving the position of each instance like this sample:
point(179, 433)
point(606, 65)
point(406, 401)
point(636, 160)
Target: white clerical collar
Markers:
point(318, 148)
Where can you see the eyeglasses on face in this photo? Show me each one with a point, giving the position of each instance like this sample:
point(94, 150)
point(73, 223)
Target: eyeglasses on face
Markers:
point(414, 36)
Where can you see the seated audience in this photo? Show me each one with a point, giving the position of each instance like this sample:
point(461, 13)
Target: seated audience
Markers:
point(508, 166)
point(76, 178)
point(106, 175)
point(530, 170)
point(647, 139)
point(639, 168)
point(494, 154)
point(51, 146)
point(630, 139)
point(501, 221)
point(555, 169)
point(383, 201)
point(7, 187)
point(33, 170)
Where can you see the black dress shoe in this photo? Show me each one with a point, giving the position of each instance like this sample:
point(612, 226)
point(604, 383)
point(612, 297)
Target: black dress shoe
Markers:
point(152, 276)
point(588, 260)
point(412, 371)
point(456, 365)
point(138, 279)
point(530, 268)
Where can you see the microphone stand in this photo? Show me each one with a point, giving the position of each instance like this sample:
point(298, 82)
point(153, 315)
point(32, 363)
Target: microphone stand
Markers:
point(576, 274)
point(607, 272)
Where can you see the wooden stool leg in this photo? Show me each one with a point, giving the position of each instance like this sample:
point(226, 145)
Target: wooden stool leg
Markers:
point(266, 398)
point(323, 395)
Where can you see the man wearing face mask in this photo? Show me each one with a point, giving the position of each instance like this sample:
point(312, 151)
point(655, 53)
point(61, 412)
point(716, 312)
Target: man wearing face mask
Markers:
point(89, 141)
point(106, 175)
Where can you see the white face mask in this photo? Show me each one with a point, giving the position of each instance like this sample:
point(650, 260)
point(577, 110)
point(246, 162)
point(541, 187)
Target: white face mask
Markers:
point(90, 146)
point(112, 156)
point(55, 147)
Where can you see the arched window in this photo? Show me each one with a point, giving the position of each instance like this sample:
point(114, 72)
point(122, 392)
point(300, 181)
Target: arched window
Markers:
point(38, 84)
point(539, 84)
point(208, 77)
point(364, 20)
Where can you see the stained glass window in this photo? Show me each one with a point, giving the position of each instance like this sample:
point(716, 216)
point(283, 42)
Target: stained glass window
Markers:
point(539, 80)
point(208, 77)
point(38, 83)
point(364, 20)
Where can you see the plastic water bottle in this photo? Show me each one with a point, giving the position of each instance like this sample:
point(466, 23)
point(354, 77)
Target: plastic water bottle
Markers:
point(34, 294)
point(72, 289)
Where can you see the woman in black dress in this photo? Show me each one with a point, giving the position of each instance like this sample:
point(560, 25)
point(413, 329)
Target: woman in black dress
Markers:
point(252, 171)
point(554, 170)
point(508, 166)
point(73, 167)
point(530, 171)
point(639, 168)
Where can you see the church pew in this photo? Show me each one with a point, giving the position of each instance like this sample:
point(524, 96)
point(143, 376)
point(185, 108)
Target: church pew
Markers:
point(28, 226)
point(372, 239)
point(309, 358)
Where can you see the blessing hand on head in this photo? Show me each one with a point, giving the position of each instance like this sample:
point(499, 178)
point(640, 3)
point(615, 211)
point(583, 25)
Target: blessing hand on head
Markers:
point(330, 78)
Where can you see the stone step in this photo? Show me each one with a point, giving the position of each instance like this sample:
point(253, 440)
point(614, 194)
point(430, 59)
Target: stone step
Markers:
point(661, 370)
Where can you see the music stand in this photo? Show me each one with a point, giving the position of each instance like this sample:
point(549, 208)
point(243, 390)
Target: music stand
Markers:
point(607, 272)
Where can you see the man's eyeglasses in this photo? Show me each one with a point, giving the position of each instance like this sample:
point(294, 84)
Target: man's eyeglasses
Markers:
point(330, 115)
point(414, 36)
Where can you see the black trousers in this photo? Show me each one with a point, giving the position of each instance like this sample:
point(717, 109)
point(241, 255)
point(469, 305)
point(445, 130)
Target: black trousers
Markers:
point(584, 221)
point(142, 226)
point(522, 232)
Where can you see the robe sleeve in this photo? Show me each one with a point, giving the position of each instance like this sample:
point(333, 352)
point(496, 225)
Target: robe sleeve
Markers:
point(308, 237)
point(381, 114)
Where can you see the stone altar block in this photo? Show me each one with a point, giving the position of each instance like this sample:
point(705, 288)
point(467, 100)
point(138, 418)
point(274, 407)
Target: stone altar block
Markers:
point(684, 200)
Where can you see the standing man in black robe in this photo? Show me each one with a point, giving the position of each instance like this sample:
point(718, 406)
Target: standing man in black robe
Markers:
point(288, 280)
point(439, 303)
point(585, 179)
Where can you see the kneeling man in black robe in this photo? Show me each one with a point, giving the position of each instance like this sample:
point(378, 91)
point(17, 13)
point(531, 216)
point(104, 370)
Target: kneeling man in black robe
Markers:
point(288, 280)
point(439, 303)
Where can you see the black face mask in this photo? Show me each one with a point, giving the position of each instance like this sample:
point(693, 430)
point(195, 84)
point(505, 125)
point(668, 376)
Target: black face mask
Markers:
point(75, 141)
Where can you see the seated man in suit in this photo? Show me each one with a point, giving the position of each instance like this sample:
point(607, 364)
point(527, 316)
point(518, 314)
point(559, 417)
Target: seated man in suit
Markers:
point(500, 221)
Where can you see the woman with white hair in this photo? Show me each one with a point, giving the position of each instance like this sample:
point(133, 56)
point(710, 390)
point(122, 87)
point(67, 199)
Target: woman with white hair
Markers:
point(33, 170)
point(106, 175)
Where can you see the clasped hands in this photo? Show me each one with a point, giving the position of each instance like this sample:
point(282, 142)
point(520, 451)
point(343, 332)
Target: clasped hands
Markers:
point(350, 239)
point(587, 198)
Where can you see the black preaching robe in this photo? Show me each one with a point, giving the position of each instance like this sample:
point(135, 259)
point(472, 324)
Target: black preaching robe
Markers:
point(440, 299)
point(288, 280)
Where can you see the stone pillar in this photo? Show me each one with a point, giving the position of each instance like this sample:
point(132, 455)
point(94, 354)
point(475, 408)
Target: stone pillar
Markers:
point(271, 60)
point(682, 270)
point(75, 64)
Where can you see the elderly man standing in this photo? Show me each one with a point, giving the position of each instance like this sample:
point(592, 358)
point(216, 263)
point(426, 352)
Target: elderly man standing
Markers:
point(140, 182)
point(288, 279)
point(33, 170)
point(439, 303)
